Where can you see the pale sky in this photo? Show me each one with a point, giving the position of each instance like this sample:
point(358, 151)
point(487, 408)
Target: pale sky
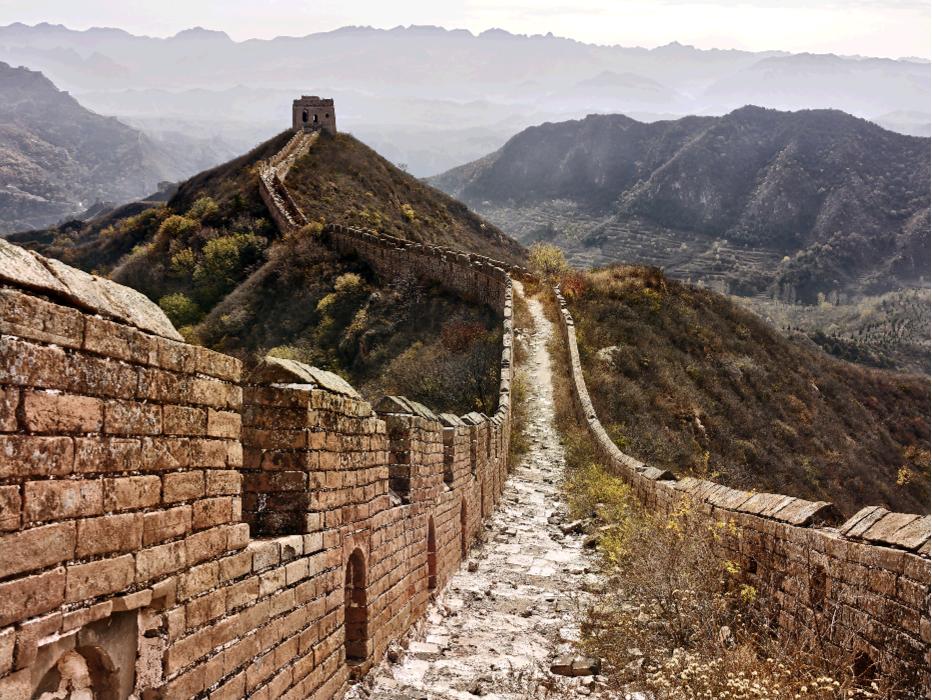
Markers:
point(890, 28)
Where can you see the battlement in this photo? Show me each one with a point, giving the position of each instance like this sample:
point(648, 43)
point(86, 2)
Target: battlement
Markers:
point(174, 527)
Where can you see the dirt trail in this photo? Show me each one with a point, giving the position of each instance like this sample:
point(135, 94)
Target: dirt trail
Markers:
point(495, 629)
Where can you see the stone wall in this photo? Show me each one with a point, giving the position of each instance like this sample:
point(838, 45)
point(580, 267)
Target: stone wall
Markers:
point(860, 588)
point(172, 529)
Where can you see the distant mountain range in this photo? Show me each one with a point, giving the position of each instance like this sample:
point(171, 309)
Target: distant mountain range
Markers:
point(58, 159)
point(791, 204)
point(434, 98)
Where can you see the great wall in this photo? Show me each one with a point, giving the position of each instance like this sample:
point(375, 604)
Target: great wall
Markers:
point(175, 528)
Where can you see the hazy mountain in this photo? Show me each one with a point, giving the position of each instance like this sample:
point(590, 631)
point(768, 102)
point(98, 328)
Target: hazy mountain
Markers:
point(215, 262)
point(443, 96)
point(59, 158)
point(795, 204)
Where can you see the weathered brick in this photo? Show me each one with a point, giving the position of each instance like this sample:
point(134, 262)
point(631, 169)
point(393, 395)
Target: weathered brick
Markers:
point(206, 544)
point(118, 341)
point(10, 508)
point(45, 412)
point(182, 486)
point(198, 580)
point(26, 597)
point(160, 561)
point(27, 455)
point(27, 364)
point(165, 453)
point(206, 608)
point(212, 511)
point(224, 424)
point(132, 492)
point(51, 500)
point(7, 639)
point(30, 317)
point(110, 533)
point(162, 525)
point(99, 578)
point(96, 455)
point(9, 401)
point(36, 548)
point(223, 482)
point(184, 420)
point(132, 418)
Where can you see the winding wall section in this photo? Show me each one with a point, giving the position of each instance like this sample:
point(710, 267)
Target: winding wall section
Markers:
point(858, 587)
point(170, 528)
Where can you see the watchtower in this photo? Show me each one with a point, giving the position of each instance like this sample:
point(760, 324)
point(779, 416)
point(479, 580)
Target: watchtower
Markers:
point(312, 113)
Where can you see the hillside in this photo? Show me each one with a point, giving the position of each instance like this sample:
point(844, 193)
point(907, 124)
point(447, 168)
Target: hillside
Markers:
point(686, 380)
point(59, 158)
point(794, 205)
point(214, 261)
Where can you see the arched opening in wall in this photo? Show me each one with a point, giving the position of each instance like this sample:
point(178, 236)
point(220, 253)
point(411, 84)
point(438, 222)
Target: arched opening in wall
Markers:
point(355, 610)
point(431, 555)
point(463, 544)
point(304, 116)
point(316, 119)
point(752, 566)
point(85, 671)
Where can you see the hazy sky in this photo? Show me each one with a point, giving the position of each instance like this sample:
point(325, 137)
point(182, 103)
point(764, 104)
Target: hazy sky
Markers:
point(870, 27)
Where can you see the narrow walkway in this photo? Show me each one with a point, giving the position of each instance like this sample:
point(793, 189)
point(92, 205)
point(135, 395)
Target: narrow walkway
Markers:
point(502, 619)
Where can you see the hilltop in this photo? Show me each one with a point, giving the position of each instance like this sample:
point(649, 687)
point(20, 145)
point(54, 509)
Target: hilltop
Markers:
point(686, 380)
point(214, 261)
point(59, 158)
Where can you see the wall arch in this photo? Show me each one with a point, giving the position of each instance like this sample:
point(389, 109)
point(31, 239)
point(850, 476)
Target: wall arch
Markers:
point(355, 609)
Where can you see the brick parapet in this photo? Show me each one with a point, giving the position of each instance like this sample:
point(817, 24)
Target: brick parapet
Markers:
point(860, 587)
point(133, 466)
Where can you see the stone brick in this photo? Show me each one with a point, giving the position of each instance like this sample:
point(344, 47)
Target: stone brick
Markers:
point(99, 578)
point(36, 548)
point(184, 420)
point(131, 492)
point(27, 455)
point(199, 579)
point(96, 455)
point(223, 424)
point(7, 639)
point(108, 534)
point(27, 364)
point(212, 511)
point(118, 341)
point(27, 597)
point(182, 486)
point(52, 500)
point(9, 401)
point(206, 544)
point(45, 412)
point(159, 561)
point(162, 525)
point(132, 418)
point(223, 482)
point(10, 508)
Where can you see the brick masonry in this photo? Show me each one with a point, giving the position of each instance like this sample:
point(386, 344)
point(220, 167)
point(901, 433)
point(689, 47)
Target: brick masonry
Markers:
point(263, 536)
point(859, 587)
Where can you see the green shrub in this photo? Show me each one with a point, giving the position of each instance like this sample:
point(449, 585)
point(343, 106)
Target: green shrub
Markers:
point(203, 208)
point(224, 262)
point(181, 310)
point(177, 227)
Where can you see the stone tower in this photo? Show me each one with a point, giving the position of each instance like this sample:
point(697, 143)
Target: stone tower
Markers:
point(312, 113)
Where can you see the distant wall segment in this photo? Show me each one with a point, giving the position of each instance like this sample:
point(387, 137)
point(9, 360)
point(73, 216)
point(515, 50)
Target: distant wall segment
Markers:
point(862, 585)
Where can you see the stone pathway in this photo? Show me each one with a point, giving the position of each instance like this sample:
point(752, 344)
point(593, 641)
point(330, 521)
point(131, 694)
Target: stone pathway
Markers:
point(501, 620)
